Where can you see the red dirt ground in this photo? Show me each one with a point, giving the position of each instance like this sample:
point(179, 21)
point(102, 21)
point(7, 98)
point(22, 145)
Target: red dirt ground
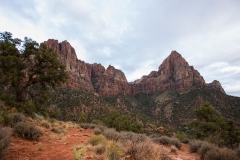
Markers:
point(53, 146)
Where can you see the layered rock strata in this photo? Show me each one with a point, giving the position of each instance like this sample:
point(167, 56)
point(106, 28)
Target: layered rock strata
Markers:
point(173, 74)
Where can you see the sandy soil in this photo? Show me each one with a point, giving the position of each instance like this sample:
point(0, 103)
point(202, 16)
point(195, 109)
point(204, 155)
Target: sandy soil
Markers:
point(53, 146)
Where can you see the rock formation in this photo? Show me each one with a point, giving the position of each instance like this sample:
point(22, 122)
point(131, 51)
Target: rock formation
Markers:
point(216, 85)
point(77, 69)
point(173, 74)
point(113, 82)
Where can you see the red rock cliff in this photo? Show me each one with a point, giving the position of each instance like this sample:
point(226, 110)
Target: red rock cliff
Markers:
point(77, 69)
point(113, 82)
point(173, 74)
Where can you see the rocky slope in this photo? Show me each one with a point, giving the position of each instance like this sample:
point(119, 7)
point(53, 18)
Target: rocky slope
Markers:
point(173, 74)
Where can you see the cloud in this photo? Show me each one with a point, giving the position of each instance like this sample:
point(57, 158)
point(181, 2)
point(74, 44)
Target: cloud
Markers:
point(137, 37)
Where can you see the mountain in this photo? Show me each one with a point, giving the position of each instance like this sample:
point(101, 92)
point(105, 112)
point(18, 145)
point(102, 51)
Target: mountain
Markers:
point(173, 74)
point(168, 96)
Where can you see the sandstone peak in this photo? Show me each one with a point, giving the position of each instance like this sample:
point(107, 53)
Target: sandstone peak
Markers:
point(173, 74)
point(216, 85)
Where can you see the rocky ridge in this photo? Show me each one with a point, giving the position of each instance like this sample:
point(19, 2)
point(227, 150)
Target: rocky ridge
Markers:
point(173, 74)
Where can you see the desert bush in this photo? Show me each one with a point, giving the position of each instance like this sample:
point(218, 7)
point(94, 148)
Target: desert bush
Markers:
point(215, 139)
point(164, 156)
point(100, 149)
point(218, 154)
point(185, 140)
point(195, 145)
point(4, 142)
point(206, 147)
point(13, 118)
point(45, 124)
point(27, 131)
point(173, 149)
point(57, 130)
point(140, 150)
point(167, 141)
point(111, 134)
point(113, 151)
point(181, 136)
point(124, 136)
point(97, 131)
point(88, 125)
point(95, 140)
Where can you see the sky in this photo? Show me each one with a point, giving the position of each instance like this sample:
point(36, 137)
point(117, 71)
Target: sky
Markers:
point(136, 36)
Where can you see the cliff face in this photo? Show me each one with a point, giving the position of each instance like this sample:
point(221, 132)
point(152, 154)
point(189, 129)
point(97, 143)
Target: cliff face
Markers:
point(78, 72)
point(173, 74)
point(113, 82)
point(89, 77)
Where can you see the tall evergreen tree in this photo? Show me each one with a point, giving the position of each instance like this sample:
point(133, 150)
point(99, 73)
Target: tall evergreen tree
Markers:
point(27, 71)
point(210, 123)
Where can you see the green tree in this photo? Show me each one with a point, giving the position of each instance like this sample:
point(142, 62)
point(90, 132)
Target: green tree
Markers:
point(115, 120)
point(210, 123)
point(27, 71)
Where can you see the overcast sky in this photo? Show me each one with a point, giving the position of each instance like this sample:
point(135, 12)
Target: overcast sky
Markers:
point(136, 36)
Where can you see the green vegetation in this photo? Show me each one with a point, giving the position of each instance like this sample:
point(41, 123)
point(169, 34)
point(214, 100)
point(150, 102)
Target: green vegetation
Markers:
point(167, 141)
point(95, 140)
point(27, 131)
point(210, 123)
point(208, 151)
point(27, 74)
point(78, 153)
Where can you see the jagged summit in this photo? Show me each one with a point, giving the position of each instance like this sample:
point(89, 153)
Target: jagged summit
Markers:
point(173, 74)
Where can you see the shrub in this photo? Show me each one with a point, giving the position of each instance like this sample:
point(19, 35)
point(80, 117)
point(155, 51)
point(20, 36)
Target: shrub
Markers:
point(113, 151)
point(181, 136)
point(167, 141)
point(173, 149)
point(195, 145)
point(164, 156)
point(217, 154)
point(140, 150)
point(97, 131)
point(100, 149)
point(206, 147)
point(111, 134)
point(27, 131)
point(124, 136)
point(13, 118)
point(95, 140)
point(4, 141)
point(78, 153)
point(185, 140)
point(87, 125)
point(57, 130)
point(45, 124)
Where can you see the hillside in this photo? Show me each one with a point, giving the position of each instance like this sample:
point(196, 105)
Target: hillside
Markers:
point(169, 108)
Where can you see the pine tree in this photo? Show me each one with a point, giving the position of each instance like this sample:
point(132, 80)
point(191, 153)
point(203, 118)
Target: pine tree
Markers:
point(28, 71)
